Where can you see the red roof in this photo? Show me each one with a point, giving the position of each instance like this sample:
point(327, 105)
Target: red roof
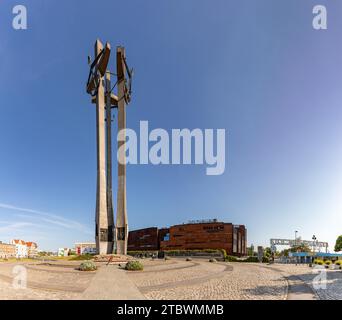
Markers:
point(19, 242)
point(22, 242)
point(31, 244)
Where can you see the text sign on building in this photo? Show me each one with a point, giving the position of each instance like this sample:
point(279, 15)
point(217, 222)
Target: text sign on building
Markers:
point(292, 242)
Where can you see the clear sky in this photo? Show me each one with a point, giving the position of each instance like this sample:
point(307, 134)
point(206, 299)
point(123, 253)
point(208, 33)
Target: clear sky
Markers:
point(256, 68)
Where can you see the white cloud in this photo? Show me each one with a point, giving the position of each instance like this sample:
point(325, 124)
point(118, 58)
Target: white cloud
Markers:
point(49, 218)
point(15, 226)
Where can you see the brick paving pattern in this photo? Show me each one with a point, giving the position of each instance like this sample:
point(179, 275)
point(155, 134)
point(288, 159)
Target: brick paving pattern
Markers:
point(175, 279)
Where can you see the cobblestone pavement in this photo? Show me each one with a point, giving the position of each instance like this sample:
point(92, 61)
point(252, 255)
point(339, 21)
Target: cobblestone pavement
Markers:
point(7, 292)
point(326, 284)
point(176, 279)
point(44, 282)
point(205, 280)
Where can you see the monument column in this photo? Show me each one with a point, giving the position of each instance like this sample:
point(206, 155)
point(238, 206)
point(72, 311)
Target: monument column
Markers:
point(103, 246)
point(121, 217)
point(110, 213)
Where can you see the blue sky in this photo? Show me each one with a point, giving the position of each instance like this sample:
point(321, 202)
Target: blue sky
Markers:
point(256, 68)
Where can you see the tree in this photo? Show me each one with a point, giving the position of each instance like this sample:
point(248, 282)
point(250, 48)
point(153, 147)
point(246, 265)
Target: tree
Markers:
point(284, 253)
point(267, 252)
point(338, 245)
point(300, 248)
point(250, 251)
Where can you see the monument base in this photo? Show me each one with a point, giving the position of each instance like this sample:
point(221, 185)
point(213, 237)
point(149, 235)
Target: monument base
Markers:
point(112, 258)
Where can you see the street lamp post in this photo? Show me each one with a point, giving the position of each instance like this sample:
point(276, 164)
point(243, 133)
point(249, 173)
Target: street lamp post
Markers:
point(314, 239)
point(295, 245)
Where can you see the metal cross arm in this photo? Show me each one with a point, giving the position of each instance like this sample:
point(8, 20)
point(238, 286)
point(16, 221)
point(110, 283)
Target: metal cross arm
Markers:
point(122, 69)
point(98, 69)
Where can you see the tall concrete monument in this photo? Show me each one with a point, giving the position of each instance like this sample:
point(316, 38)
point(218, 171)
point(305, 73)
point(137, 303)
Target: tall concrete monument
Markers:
point(121, 217)
point(108, 238)
point(104, 220)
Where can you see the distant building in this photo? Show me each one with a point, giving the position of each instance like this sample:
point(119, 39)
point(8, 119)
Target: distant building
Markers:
point(85, 248)
point(24, 249)
point(308, 257)
point(7, 250)
point(195, 235)
point(63, 252)
point(32, 249)
point(20, 248)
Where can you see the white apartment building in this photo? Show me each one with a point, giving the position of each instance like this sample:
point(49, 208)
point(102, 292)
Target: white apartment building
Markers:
point(21, 250)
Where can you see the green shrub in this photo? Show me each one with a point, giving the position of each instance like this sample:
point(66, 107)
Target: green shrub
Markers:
point(319, 262)
point(212, 260)
point(134, 265)
point(224, 253)
point(338, 262)
point(230, 258)
point(146, 253)
point(211, 250)
point(250, 259)
point(87, 266)
point(328, 262)
point(265, 260)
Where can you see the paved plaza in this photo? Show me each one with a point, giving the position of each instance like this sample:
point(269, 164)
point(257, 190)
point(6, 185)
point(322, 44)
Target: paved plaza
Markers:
point(170, 279)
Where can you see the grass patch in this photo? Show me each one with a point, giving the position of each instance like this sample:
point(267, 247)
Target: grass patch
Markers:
point(16, 260)
point(81, 257)
point(230, 258)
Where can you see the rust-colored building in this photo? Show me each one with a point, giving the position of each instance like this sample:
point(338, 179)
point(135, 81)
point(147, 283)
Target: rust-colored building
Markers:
point(197, 235)
point(207, 235)
point(143, 239)
point(163, 233)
